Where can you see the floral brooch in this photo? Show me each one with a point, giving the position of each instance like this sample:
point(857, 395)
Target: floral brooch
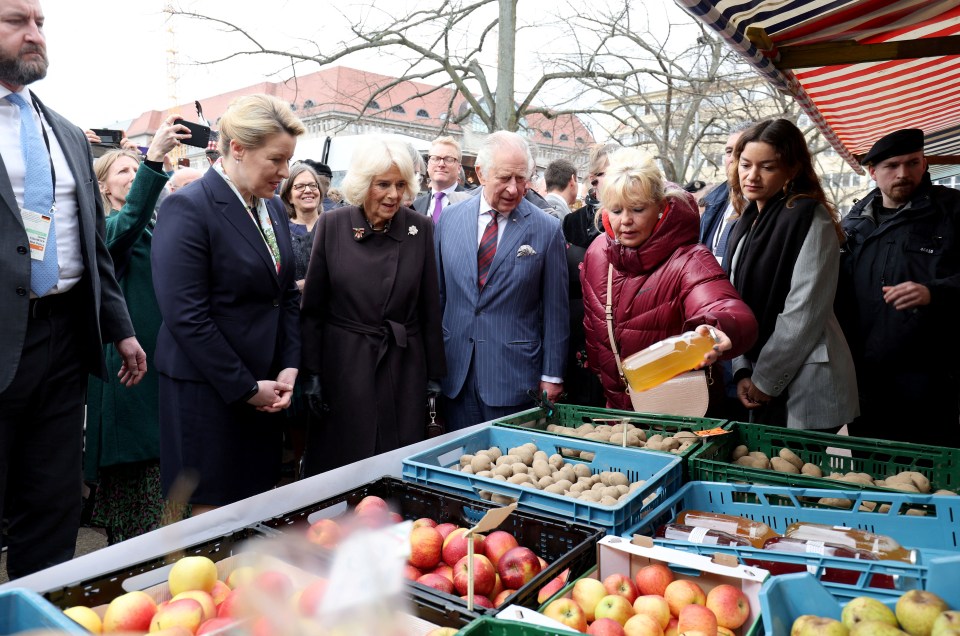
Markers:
point(413, 230)
point(358, 233)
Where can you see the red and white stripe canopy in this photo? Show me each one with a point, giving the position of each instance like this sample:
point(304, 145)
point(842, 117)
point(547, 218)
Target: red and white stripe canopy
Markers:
point(859, 68)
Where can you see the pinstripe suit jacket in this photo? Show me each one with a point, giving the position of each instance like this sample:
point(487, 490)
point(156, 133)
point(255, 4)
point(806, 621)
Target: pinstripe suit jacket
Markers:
point(517, 326)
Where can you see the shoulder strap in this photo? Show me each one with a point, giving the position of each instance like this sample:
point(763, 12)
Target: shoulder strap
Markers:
point(609, 313)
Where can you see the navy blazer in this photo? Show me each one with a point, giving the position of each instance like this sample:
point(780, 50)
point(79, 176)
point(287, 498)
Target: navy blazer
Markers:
point(228, 318)
point(517, 326)
point(712, 217)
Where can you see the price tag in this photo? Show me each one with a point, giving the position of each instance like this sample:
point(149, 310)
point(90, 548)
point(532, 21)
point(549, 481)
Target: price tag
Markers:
point(711, 432)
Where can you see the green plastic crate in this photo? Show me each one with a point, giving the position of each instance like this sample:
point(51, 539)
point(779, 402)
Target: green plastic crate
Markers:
point(832, 453)
point(572, 416)
point(499, 627)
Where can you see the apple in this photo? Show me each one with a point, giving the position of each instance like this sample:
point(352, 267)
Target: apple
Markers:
point(273, 584)
point(241, 576)
point(425, 521)
point(653, 579)
point(231, 606)
point(498, 543)
point(311, 597)
point(219, 592)
point(732, 607)
point(130, 612)
point(497, 587)
point(443, 631)
point(501, 598)
point(371, 502)
point(917, 610)
point(444, 570)
point(437, 582)
point(671, 628)
point(555, 585)
point(411, 573)
point(518, 566)
point(809, 625)
point(605, 627)
point(205, 600)
point(176, 630)
point(85, 617)
point(642, 625)
point(543, 563)
point(587, 593)
point(184, 612)
point(484, 576)
point(947, 624)
point(568, 612)
point(653, 605)
point(192, 573)
point(325, 533)
point(724, 631)
point(455, 546)
point(681, 593)
point(695, 617)
point(480, 601)
point(860, 609)
point(425, 547)
point(395, 517)
point(614, 606)
point(214, 625)
point(620, 584)
point(446, 528)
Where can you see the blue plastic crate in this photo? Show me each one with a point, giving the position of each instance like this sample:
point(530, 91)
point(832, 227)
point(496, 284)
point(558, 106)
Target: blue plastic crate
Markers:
point(934, 536)
point(662, 473)
point(22, 610)
point(785, 598)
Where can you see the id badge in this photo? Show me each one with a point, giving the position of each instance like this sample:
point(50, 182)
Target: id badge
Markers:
point(37, 226)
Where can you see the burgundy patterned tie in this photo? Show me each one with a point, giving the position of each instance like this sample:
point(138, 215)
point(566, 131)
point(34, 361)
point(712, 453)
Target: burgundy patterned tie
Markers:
point(488, 249)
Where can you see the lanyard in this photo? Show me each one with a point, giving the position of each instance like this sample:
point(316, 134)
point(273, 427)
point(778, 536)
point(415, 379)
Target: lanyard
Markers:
point(46, 141)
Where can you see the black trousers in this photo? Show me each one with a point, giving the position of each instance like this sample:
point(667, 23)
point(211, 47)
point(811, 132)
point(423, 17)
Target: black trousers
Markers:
point(41, 440)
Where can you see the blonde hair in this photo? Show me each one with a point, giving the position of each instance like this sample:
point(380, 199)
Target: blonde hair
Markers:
point(633, 176)
point(450, 141)
point(376, 156)
point(251, 119)
point(101, 167)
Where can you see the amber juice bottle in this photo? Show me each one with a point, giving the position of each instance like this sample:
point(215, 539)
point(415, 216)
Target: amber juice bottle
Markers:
point(829, 575)
point(884, 547)
point(755, 532)
point(700, 535)
point(663, 360)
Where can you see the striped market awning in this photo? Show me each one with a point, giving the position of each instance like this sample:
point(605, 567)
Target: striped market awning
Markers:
point(859, 68)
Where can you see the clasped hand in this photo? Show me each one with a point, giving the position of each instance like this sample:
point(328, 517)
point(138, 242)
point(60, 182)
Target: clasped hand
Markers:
point(273, 396)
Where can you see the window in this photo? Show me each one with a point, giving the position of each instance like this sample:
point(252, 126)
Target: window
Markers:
point(373, 105)
point(579, 140)
point(564, 137)
point(308, 103)
point(423, 114)
point(398, 109)
point(547, 134)
point(293, 106)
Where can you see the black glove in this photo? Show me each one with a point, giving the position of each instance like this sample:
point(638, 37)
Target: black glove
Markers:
point(313, 394)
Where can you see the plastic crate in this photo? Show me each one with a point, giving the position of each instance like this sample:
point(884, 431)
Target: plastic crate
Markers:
point(832, 453)
point(22, 610)
point(935, 536)
point(499, 627)
point(785, 598)
point(662, 472)
point(563, 544)
point(572, 416)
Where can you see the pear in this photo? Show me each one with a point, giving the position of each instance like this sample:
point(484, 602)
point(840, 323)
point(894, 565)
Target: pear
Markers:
point(947, 624)
point(917, 610)
point(875, 628)
point(809, 625)
point(864, 608)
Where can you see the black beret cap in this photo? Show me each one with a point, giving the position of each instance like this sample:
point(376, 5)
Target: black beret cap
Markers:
point(694, 186)
point(900, 142)
point(321, 169)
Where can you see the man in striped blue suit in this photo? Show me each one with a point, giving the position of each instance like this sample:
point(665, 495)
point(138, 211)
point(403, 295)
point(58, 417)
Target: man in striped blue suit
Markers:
point(503, 291)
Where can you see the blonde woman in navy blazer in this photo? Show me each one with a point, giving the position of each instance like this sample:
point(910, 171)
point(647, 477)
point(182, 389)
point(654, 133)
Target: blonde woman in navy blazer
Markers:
point(229, 347)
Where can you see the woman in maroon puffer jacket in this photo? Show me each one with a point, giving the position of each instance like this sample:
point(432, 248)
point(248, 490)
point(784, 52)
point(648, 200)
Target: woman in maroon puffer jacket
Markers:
point(664, 281)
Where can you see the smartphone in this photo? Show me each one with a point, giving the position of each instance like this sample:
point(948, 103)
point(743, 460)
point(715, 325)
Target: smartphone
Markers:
point(108, 137)
point(199, 134)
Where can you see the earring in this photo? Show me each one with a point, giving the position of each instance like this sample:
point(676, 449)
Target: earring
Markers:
point(787, 187)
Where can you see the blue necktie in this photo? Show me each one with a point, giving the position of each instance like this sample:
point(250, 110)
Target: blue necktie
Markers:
point(724, 237)
point(37, 194)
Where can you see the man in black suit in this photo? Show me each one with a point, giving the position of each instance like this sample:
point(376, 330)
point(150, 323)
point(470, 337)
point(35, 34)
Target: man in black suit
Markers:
point(61, 300)
point(443, 168)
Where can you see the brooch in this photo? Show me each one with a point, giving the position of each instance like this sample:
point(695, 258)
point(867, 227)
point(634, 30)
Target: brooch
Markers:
point(525, 250)
point(413, 230)
point(358, 233)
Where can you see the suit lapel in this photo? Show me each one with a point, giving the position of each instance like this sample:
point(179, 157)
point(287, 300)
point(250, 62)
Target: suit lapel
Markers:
point(467, 243)
point(6, 194)
point(510, 241)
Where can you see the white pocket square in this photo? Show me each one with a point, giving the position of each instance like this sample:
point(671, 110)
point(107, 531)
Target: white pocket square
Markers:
point(525, 250)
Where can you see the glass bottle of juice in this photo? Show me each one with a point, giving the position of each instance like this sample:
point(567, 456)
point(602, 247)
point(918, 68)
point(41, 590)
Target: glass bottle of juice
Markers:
point(703, 536)
point(884, 547)
point(663, 360)
point(830, 575)
point(755, 532)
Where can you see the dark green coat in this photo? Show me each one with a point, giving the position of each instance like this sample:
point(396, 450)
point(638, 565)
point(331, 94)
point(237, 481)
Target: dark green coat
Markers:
point(122, 423)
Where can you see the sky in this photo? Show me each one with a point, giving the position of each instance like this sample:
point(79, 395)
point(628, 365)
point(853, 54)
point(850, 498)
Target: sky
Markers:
point(110, 60)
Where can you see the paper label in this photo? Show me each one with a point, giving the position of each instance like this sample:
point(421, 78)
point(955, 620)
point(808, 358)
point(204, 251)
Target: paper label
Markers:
point(37, 226)
point(697, 535)
point(711, 432)
point(816, 547)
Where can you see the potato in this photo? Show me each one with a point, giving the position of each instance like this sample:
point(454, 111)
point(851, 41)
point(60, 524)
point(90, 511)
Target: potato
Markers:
point(583, 429)
point(508, 459)
point(499, 477)
point(617, 438)
point(543, 482)
point(609, 491)
point(577, 488)
point(655, 438)
point(541, 469)
point(597, 436)
point(608, 501)
point(684, 446)
point(502, 499)
point(836, 503)
point(525, 455)
point(782, 465)
point(485, 473)
point(567, 473)
point(587, 456)
point(466, 459)
point(556, 489)
point(582, 470)
point(747, 461)
point(623, 490)
point(519, 478)
point(857, 478)
point(916, 512)
point(619, 479)
point(541, 456)
point(739, 452)
point(519, 467)
point(467, 469)
point(605, 428)
point(590, 495)
point(638, 484)
point(528, 484)
point(556, 460)
point(835, 476)
point(494, 453)
point(790, 456)
point(649, 497)
point(919, 480)
point(503, 470)
point(682, 435)
point(597, 487)
point(653, 445)
point(944, 491)
point(572, 494)
point(533, 447)
point(480, 463)
point(812, 470)
point(868, 506)
point(564, 483)
point(641, 434)
point(904, 485)
point(485, 495)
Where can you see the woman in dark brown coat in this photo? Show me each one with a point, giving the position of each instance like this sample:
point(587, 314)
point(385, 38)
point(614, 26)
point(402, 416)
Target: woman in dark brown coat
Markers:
point(371, 316)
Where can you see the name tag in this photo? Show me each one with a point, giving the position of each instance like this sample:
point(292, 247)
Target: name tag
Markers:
point(37, 226)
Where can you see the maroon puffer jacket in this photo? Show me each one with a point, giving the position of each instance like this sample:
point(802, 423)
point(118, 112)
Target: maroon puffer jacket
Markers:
point(668, 285)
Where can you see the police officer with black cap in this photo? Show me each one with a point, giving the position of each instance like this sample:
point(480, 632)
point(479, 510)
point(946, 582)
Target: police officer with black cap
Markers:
point(899, 297)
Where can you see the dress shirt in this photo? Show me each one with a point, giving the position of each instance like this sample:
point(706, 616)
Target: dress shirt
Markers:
point(715, 239)
point(69, 256)
point(431, 202)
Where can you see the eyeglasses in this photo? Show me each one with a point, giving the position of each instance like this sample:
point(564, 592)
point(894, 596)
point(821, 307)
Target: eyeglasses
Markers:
point(434, 159)
point(300, 187)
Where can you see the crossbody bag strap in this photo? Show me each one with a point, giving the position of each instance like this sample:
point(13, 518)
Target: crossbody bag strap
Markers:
point(609, 312)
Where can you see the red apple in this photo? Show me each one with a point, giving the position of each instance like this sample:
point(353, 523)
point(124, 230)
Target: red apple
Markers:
point(497, 587)
point(437, 582)
point(412, 573)
point(484, 576)
point(219, 592)
point(205, 600)
point(480, 601)
point(425, 547)
point(681, 593)
point(554, 586)
point(425, 521)
point(496, 544)
point(130, 612)
point(730, 605)
point(588, 592)
point(653, 579)
point(695, 617)
point(192, 573)
point(455, 546)
point(184, 612)
point(369, 502)
point(502, 597)
point(444, 570)
point(240, 576)
point(605, 627)
point(446, 528)
point(214, 624)
point(325, 533)
point(642, 625)
point(543, 563)
point(614, 606)
point(620, 584)
point(395, 517)
point(273, 584)
point(653, 605)
point(231, 606)
point(568, 612)
point(311, 597)
point(518, 567)
point(671, 629)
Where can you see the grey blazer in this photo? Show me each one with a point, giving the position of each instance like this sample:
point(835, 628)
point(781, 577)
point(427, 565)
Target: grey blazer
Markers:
point(104, 316)
point(807, 354)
